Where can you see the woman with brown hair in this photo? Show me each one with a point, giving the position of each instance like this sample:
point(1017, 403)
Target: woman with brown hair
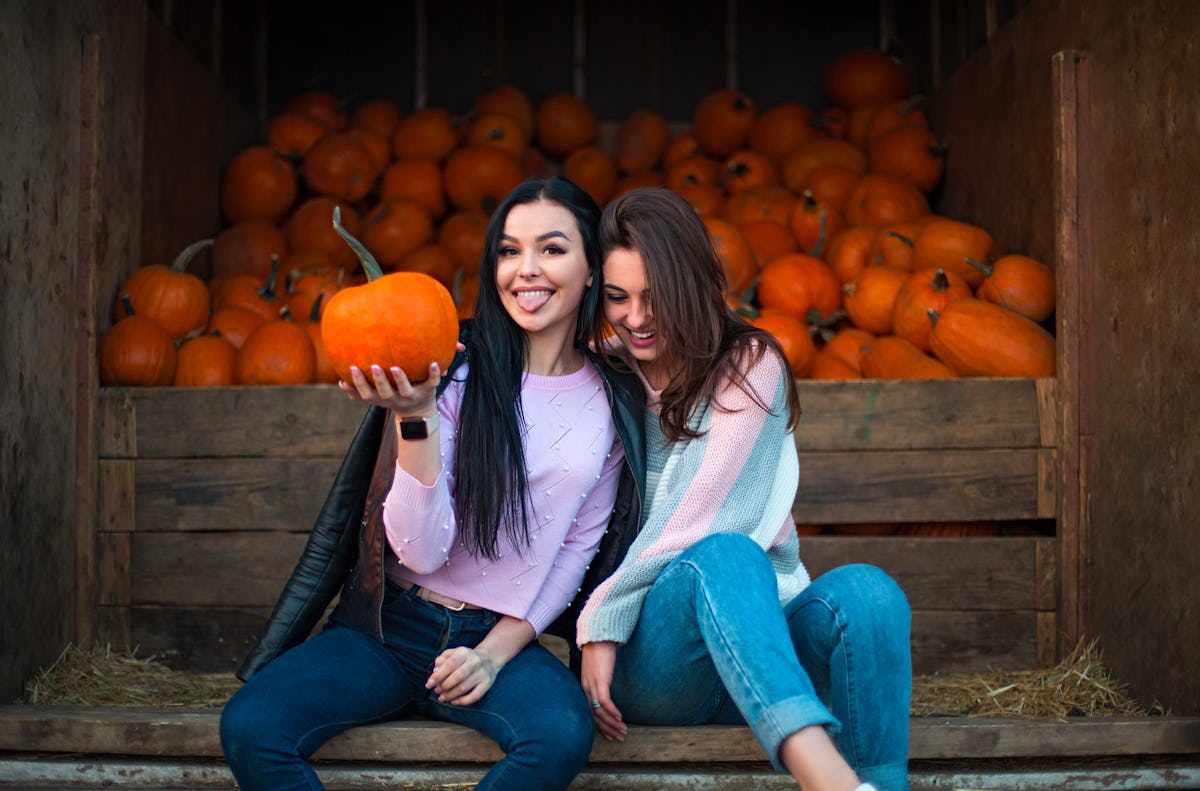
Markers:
point(711, 616)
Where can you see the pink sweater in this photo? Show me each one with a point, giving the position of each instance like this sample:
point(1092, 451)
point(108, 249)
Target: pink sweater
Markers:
point(573, 458)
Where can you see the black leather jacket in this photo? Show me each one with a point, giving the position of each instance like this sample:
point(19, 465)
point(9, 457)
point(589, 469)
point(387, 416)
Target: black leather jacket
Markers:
point(345, 549)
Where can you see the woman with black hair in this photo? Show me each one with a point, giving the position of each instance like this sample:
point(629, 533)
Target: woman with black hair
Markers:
point(491, 491)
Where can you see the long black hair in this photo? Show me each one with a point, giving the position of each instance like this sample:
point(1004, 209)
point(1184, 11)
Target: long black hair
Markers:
point(489, 467)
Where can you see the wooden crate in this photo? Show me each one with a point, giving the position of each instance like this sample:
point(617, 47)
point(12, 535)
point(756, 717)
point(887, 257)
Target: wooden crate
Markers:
point(208, 495)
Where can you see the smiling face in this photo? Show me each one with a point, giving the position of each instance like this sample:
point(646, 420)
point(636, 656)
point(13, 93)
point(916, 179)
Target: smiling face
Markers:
point(628, 309)
point(542, 270)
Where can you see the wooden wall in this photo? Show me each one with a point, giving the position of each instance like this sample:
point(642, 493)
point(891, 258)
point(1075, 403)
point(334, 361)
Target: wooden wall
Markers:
point(1129, 141)
point(98, 97)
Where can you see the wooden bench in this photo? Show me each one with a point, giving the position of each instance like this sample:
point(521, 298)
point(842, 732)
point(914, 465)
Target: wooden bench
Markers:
point(141, 747)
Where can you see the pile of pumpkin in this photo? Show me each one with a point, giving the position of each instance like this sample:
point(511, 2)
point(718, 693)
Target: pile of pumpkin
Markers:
point(821, 220)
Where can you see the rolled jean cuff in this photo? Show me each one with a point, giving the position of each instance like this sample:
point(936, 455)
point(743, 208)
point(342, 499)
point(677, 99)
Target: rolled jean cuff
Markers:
point(780, 720)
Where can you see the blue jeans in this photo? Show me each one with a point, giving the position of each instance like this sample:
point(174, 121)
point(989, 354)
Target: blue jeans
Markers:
point(342, 677)
point(712, 645)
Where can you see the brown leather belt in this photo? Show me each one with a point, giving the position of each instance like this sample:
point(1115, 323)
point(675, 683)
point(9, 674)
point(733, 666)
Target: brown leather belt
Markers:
point(435, 597)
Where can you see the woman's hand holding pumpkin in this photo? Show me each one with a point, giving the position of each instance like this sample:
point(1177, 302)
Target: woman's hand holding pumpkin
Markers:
point(396, 392)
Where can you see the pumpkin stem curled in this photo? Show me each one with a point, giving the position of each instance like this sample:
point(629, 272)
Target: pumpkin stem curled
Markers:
point(369, 264)
point(185, 256)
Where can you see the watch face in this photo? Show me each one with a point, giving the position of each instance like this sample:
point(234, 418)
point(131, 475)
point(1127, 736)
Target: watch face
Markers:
point(414, 428)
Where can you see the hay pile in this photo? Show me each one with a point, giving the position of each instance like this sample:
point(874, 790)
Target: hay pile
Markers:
point(1077, 686)
point(100, 676)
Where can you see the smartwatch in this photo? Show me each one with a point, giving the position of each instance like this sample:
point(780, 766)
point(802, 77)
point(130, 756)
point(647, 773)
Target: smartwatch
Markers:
point(419, 427)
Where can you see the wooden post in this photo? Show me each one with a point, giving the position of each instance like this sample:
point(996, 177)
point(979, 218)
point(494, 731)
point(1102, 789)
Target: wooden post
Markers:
point(1073, 272)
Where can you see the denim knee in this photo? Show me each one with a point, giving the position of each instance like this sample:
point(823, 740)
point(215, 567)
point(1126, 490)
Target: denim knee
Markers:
point(723, 551)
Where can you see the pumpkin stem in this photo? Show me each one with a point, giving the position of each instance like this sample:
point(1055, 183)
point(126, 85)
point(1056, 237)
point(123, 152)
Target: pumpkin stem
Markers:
point(901, 237)
point(982, 266)
point(911, 104)
point(940, 281)
point(814, 317)
point(127, 303)
point(933, 315)
point(267, 289)
point(315, 313)
point(369, 264)
point(185, 256)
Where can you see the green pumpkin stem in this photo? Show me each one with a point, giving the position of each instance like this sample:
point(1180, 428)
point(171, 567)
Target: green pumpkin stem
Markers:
point(185, 256)
point(369, 264)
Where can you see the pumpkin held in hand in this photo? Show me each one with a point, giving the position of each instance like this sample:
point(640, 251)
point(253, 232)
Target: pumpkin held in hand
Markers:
point(404, 319)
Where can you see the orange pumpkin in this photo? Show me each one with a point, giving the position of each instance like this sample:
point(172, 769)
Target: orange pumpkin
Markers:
point(698, 169)
point(174, 299)
point(339, 166)
point(827, 366)
point(641, 141)
point(737, 258)
point(893, 245)
point(311, 290)
point(246, 248)
point(892, 357)
point(463, 234)
point(707, 199)
point(817, 152)
point(814, 223)
point(865, 75)
point(563, 122)
point(426, 134)
point(793, 337)
point(478, 177)
point(881, 199)
point(773, 204)
point(802, 286)
point(925, 290)
point(234, 324)
point(722, 121)
point(869, 298)
point(952, 245)
point(769, 241)
point(416, 180)
point(849, 251)
point(832, 183)
point(251, 292)
point(205, 361)
point(500, 131)
point(393, 229)
point(311, 226)
point(378, 149)
point(832, 122)
point(911, 152)
point(380, 116)
point(404, 319)
point(257, 184)
point(432, 259)
point(977, 338)
point(323, 372)
point(780, 130)
point(321, 104)
point(593, 170)
point(137, 352)
point(848, 345)
point(1019, 283)
point(681, 147)
point(466, 291)
point(745, 168)
point(300, 264)
point(278, 352)
point(888, 115)
point(510, 100)
point(294, 134)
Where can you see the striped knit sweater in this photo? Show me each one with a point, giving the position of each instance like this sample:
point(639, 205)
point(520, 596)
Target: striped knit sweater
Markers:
point(740, 476)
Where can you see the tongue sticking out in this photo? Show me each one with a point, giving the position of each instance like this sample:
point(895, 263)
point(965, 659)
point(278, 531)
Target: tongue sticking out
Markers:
point(532, 300)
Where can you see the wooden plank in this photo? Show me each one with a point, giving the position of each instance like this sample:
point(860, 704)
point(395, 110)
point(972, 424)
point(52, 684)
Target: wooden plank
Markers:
point(917, 486)
point(87, 379)
point(300, 421)
point(116, 424)
point(233, 494)
point(1072, 202)
point(112, 569)
point(943, 573)
point(193, 733)
point(973, 641)
point(900, 415)
point(198, 639)
point(115, 508)
point(206, 569)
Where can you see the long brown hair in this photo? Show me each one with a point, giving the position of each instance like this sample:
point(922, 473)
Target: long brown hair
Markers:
point(704, 342)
